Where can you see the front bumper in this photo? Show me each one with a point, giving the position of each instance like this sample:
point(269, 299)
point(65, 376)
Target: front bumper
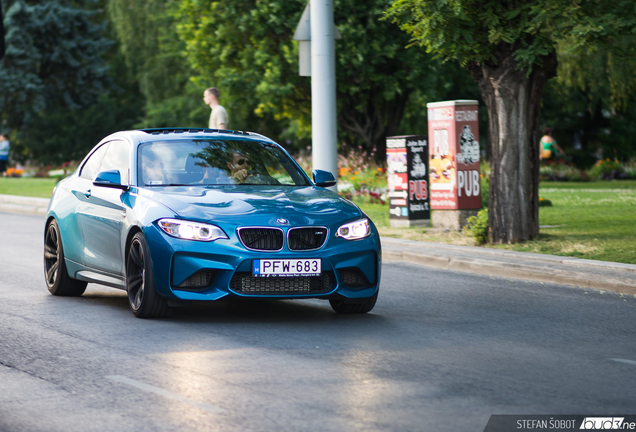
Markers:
point(351, 269)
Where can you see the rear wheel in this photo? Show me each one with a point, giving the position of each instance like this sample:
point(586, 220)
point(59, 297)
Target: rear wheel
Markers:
point(346, 306)
point(143, 299)
point(57, 279)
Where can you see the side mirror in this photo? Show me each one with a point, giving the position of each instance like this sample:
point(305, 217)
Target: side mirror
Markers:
point(323, 178)
point(110, 179)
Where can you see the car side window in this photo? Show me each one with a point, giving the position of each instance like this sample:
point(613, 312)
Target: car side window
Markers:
point(89, 170)
point(117, 157)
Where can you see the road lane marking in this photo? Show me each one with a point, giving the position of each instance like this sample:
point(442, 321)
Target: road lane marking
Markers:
point(165, 393)
point(629, 362)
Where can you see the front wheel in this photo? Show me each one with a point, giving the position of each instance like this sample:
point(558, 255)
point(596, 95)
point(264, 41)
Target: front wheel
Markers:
point(143, 299)
point(354, 306)
point(56, 276)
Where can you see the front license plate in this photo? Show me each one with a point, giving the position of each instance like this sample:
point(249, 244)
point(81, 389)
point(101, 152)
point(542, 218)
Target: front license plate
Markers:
point(286, 267)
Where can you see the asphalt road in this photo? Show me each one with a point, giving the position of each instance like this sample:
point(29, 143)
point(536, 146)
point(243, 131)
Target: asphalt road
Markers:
point(441, 351)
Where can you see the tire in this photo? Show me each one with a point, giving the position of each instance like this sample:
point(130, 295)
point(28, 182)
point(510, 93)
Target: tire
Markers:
point(143, 299)
point(56, 276)
point(343, 306)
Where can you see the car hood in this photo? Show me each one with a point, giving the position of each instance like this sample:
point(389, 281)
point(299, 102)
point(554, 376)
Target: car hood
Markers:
point(255, 204)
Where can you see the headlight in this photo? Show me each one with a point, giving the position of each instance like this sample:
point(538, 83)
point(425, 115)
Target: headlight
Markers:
point(191, 230)
point(354, 230)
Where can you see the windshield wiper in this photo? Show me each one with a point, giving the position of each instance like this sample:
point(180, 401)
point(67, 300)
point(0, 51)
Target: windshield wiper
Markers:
point(171, 184)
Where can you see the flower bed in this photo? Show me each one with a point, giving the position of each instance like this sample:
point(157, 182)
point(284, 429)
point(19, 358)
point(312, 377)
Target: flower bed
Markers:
point(560, 170)
point(607, 169)
point(359, 176)
point(14, 172)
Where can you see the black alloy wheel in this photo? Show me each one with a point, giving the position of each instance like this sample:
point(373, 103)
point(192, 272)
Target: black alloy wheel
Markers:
point(143, 299)
point(55, 274)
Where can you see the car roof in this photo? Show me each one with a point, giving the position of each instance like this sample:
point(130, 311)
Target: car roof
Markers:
point(166, 134)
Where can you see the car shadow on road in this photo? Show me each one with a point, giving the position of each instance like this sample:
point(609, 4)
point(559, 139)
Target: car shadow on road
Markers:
point(234, 310)
point(241, 310)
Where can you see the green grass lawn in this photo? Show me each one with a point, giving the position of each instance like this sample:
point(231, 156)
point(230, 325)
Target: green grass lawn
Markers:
point(587, 220)
point(594, 220)
point(27, 186)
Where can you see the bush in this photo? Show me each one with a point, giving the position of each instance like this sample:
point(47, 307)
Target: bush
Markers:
point(485, 190)
point(560, 170)
point(544, 202)
point(477, 227)
point(630, 169)
point(608, 170)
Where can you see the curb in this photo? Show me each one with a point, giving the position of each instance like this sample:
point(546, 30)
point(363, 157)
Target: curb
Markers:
point(583, 273)
point(24, 205)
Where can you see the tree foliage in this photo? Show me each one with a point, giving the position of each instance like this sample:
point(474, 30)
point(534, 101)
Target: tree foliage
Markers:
point(591, 103)
point(55, 82)
point(146, 30)
point(475, 30)
point(604, 72)
point(52, 59)
point(245, 48)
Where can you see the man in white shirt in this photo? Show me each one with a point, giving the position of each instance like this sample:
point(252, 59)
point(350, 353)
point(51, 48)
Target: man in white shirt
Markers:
point(218, 116)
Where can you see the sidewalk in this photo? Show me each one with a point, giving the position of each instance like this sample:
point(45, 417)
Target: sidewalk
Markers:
point(24, 205)
point(583, 273)
point(601, 275)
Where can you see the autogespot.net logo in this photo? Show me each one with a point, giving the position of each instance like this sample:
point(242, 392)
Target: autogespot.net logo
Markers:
point(606, 423)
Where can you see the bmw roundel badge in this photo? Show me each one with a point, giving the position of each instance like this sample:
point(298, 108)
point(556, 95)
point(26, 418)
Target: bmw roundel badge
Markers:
point(282, 221)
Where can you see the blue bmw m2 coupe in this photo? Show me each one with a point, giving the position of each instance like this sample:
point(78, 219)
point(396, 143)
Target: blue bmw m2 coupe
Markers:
point(177, 215)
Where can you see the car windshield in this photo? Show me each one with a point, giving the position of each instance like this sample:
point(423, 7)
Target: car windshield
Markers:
point(216, 162)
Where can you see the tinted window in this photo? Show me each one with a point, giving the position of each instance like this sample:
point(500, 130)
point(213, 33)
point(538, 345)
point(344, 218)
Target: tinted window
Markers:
point(90, 168)
point(117, 157)
point(216, 162)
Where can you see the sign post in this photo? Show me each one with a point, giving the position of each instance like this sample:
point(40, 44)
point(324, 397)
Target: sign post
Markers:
point(407, 170)
point(453, 129)
point(316, 34)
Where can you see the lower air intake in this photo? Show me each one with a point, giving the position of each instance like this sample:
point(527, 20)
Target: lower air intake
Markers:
point(354, 278)
point(245, 283)
point(201, 279)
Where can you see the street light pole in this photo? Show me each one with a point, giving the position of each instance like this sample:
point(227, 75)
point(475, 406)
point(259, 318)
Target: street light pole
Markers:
point(323, 87)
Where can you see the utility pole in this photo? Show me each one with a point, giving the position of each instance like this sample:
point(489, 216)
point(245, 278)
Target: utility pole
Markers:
point(323, 87)
point(316, 36)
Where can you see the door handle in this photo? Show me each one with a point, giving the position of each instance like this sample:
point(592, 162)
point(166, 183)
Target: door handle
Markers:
point(87, 194)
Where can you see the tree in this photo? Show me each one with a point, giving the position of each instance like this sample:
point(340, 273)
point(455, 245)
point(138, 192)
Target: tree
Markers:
point(53, 69)
point(146, 31)
point(245, 48)
point(509, 48)
point(1, 34)
point(590, 104)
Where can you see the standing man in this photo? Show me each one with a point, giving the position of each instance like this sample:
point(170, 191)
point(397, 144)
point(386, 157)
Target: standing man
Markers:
point(218, 116)
point(4, 153)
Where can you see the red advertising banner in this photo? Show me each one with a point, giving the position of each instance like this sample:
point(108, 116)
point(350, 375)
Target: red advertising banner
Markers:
point(453, 131)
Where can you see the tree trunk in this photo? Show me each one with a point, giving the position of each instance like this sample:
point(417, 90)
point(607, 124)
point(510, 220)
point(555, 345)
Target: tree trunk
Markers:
point(513, 100)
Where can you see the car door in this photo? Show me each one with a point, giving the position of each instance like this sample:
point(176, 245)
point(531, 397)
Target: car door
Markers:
point(104, 212)
point(81, 187)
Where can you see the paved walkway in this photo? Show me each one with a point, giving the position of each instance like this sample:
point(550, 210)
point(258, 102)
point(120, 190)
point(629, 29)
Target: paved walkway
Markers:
point(602, 275)
point(583, 273)
point(24, 205)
